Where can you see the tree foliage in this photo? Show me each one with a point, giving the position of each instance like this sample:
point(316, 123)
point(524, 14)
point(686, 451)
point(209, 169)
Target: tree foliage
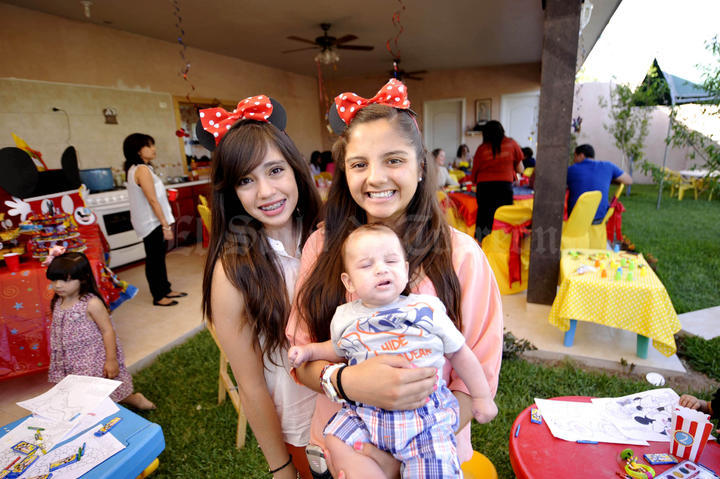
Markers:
point(629, 124)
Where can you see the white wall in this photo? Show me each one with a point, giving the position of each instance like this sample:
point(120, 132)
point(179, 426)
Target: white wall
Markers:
point(593, 117)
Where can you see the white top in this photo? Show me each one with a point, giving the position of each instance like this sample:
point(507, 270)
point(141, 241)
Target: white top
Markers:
point(294, 403)
point(142, 216)
point(414, 326)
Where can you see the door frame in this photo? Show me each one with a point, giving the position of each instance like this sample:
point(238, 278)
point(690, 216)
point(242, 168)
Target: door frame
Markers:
point(426, 128)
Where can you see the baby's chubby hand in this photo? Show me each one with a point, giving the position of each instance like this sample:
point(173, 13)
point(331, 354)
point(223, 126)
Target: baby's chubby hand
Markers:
point(298, 355)
point(484, 409)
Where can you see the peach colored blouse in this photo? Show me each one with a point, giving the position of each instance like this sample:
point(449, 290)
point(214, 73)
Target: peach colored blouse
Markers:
point(482, 323)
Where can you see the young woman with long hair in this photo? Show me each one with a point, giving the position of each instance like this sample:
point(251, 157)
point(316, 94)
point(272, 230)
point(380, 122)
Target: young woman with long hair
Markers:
point(264, 206)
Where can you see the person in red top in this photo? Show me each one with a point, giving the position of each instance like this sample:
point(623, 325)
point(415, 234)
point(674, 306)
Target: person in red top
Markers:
point(495, 163)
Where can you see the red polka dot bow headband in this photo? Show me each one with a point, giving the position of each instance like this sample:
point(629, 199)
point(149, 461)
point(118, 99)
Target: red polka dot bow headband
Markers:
point(393, 94)
point(217, 121)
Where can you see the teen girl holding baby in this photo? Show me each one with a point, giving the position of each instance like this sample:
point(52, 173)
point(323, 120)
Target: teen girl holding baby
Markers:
point(382, 177)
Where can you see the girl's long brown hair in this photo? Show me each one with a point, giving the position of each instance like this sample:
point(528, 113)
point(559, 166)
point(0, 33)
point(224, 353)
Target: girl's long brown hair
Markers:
point(239, 241)
point(425, 234)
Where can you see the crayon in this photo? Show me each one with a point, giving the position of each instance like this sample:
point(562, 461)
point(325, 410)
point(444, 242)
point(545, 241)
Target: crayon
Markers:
point(517, 430)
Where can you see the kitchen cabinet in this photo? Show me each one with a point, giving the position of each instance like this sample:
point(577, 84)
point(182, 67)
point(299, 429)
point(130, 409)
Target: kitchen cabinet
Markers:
point(188, 225)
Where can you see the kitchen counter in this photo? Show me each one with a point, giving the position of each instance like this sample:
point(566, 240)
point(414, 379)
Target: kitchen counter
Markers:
point(187, 183)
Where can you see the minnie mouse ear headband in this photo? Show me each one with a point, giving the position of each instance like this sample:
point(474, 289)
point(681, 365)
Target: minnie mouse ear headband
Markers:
point(346, 106)
point(215, 122)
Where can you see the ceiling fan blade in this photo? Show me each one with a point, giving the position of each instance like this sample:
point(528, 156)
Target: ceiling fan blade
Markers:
point(355, 47)
point(417, 72)
point(293, 37)
point(345, 39)
point(299, 49)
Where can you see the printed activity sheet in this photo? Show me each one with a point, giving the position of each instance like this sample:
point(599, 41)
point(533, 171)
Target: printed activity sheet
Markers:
point(577, 421)
point(645, 415)
point(70, 397)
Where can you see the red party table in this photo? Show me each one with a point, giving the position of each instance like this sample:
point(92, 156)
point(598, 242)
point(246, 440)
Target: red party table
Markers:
point(536, 453)
point(25, 308)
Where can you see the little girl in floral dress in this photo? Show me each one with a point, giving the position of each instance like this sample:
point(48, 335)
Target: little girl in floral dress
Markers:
point(82, 335)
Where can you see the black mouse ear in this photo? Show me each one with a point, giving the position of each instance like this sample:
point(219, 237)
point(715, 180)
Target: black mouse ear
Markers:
point(336, 123)
point(205, 138)
point(19, 175)
point(278, 117)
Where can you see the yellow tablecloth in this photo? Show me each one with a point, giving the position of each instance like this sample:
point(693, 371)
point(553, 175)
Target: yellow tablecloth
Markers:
point(641, 306)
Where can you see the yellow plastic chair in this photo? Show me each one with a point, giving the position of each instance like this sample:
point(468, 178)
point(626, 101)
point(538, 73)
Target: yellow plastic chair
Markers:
point(203, 201)
point(478, 467)
point(457, 175)
point(527, 172)
point(576, 230)
point(677, 182)
point(598, 233)
point(324, 175)
point(496, 247)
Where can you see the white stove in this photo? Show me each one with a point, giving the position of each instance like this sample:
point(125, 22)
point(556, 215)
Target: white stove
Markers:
point(112, 209)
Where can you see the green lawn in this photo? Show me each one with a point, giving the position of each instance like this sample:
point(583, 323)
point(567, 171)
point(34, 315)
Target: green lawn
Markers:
point(685, 238)
point(200, 434)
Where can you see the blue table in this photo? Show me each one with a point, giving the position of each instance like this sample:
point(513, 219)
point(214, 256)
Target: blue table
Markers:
point(143, 439)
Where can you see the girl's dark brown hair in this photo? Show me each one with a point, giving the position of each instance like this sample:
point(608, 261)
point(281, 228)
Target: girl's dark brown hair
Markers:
point(239, 241)
point(69, 266)
point(424, 234)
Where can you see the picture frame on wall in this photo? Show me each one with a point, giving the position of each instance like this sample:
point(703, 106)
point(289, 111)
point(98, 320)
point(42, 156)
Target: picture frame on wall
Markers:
point(483, 110)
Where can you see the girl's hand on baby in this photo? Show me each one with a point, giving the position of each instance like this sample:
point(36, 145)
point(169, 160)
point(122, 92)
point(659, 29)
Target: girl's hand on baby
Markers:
point(389, 381)
point(484, 409)
point(298, 356)
point(111, 368)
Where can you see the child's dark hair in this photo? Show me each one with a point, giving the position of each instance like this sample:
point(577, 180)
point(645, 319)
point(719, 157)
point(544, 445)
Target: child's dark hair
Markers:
point(73, 266)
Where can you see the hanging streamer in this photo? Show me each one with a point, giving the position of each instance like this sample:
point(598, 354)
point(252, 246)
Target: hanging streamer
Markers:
point(322, 95)
point(396, 23)
point(185, 70)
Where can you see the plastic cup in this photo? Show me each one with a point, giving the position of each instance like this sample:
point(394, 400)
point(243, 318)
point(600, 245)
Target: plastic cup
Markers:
point(172, 194)
point(12, 260)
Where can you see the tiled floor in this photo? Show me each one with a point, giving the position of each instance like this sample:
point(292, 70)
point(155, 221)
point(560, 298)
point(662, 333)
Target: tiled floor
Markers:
point(145, 331)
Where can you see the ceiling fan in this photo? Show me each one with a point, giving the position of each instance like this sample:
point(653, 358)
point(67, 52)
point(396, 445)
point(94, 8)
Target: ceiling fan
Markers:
point(401, 74)
point(327, 44)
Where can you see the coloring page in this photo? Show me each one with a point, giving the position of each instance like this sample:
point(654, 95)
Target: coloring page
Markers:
point(577, 421)
point(645, 415)
point(69, 398)
point(97, 449)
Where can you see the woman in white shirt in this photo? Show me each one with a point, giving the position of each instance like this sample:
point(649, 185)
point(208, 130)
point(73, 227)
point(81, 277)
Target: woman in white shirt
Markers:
point(150, 214)
point(443, 176)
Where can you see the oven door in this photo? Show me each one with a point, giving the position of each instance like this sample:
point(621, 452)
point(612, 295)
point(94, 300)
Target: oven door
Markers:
point(114, 221)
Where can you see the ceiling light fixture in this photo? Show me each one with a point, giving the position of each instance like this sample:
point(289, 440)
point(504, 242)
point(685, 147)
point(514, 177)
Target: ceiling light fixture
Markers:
point(327, 56)
point(86, 7)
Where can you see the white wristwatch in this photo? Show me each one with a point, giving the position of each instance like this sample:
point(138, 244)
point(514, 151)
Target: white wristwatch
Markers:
point(327, 385)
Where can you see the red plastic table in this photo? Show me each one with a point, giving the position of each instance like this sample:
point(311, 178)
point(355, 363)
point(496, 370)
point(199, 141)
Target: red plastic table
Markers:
point(536, 453)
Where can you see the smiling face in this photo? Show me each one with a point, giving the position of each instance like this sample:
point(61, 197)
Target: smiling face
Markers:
point(440, 158)
point(382, 170)
point(147, 153)
point(269, 193)
point(66, 288)
point(375, 267)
